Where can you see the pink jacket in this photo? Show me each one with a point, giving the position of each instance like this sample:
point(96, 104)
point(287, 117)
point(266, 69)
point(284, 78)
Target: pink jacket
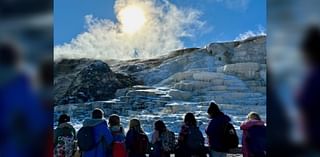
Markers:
point(245, 126)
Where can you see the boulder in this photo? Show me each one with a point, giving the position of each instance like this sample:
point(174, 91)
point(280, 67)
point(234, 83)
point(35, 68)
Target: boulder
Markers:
point(85, 80)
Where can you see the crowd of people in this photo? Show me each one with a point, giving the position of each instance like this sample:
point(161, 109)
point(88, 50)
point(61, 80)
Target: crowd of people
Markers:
point(101, 138)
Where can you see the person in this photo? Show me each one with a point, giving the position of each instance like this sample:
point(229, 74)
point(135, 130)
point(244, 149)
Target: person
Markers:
point(95, 138)
point(23, 120)
point(163, 140)
point(64, 138)
point(308, 94)
point(214, 130)
point(190, 140)
point(117, 131)
point(254, 136)
point(45, 77)
point(137, 141)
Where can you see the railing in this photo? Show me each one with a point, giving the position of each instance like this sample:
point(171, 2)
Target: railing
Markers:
point(231, 151)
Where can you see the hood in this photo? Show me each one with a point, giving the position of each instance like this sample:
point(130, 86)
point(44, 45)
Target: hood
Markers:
point(116, 128)
point(223, 117)
point(63, 125)
point(250, 123)
point(226, 118)
point(93, 122)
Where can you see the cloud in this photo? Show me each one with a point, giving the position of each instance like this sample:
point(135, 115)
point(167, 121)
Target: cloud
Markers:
point(240, 5)
point(250, 33)
point(165, 25)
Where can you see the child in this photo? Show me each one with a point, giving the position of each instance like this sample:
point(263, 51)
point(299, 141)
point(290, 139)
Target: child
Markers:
point(191, 140)
point(117, 131)
point(163, 140)
point(254, 136)
point(64, 138)
point(136, 140)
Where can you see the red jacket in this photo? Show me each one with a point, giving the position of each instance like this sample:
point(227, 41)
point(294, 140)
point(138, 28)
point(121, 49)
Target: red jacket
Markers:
point(245, 126)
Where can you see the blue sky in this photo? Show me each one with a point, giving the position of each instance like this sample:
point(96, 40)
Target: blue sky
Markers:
point(225, 19)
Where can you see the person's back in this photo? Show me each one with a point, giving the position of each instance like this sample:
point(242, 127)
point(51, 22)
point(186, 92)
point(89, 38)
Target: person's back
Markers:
point(101, 134)
point(22, 118)
point(137, 142)
point(163, 140)
point(308, 94)
point(64, 138)
point(254, 136)
point(256, 140)
point(215, 130)
point(195, 141)
point(117, 131)
point(190, 140)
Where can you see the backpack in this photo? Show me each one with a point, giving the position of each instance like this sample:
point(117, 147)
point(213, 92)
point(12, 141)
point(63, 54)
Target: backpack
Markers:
point(230, 139)
point(86, 139)
point(64, 145)
point(141, 143)
point(256, 140)
point(194, 140)
point(168, 141)
point(118, 145)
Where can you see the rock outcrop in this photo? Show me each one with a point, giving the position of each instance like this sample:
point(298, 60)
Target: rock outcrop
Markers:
point(84, 80)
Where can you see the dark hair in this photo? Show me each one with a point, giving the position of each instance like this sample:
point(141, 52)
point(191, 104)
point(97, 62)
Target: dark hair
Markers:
point(114, 120)
point(135, 125)
point(63, 119)
point(9, 55)
point(190, 120)
point(311, 45)
point(213, 110)
point(160, 126)
point(97, 113)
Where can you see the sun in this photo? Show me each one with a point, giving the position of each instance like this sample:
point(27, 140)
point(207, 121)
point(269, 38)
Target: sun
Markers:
point(132, 18)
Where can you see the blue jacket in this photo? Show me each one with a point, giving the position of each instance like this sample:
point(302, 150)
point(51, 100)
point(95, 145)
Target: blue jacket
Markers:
point(215, 131)
point(22, 118)
point(102, 133)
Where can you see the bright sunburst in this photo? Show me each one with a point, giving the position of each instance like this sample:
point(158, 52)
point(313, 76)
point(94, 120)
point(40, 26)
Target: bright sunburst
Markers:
point(132, 18)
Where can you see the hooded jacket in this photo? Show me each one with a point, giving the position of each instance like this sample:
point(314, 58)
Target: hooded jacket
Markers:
point(64, 140)
point(58, 132)
point(215, 131)
point(102, 136)
point(22, 117)
point(245, 126)
point(118, 133)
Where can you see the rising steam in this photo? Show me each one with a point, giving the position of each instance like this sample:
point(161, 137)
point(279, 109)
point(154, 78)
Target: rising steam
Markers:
point(164, 26)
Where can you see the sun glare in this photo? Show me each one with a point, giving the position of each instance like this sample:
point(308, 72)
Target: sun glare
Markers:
point(132, 18)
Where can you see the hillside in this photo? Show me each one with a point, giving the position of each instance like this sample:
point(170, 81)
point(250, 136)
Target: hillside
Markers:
point(231, 73)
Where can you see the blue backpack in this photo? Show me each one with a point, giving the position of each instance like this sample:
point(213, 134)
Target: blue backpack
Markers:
point(195, 140)
point(86, 139)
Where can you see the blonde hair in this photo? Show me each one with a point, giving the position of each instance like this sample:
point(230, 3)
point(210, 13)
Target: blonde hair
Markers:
point(253, 116)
